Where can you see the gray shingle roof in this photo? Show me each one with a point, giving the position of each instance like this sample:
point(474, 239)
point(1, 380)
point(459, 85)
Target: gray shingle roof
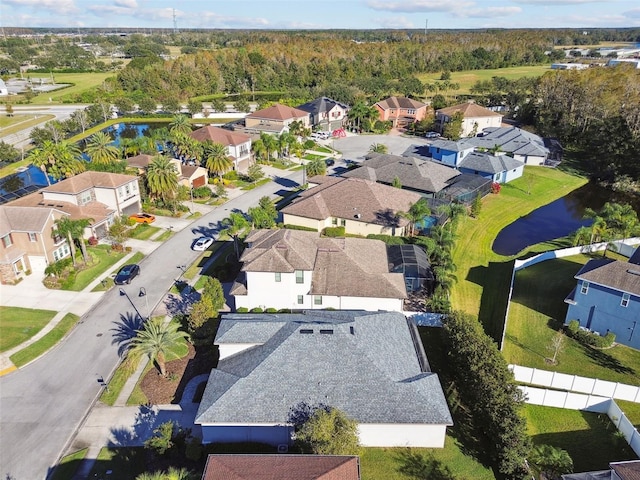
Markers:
point(488, 163)
point(511, 140)
point(400, 102)
point(614, 274)
point(367, 367)
point(416, 174)
point(320, 105)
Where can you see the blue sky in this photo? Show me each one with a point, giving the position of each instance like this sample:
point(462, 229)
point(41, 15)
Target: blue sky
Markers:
point(321, 14)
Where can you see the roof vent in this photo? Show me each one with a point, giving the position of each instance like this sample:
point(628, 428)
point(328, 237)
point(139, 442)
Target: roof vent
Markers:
point(306, 330)
point(327, 332)
point(357, 215)
point(352, 330)
point(634, 272)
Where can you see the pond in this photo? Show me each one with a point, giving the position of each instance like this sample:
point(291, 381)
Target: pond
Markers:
point(118, 131)
point(555, 220)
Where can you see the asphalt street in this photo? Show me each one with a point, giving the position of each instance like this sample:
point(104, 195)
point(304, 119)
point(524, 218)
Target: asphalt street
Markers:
point(43, 404)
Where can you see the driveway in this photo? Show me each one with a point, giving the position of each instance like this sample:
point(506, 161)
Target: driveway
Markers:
point(356, 147)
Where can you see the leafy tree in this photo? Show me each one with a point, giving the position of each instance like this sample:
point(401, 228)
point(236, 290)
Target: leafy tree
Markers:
point(254, 172)
point(124, 105)
point(488, 392)
point(200, 313)
point(213, 290)
point(269, 143)
point(60, 160)
point(219, 105)
point(8, 153)
point(453, 128)
point(328, 432)
point(161, 178)
point(242, 105)
point(100, 149)
point(476, 206)
point(556, 346)
point(119, 230)
point(194, 107)
point(162, 439)
point(264, 215)
point(216, 158)
point(236, 225)
point(74, 231)
point(157, 340)
point(550, 462)
point(147, 105)
point(81, 119)
point(316, 167)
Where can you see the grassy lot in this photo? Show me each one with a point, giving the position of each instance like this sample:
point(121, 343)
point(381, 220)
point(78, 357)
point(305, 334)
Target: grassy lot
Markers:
point(103, 259)
point(631, 410)
point(484, 276)
point(589, 438)
point(17, 325)
point(468, 78)
point(537, 311)
point(251, 186)
point(80, 82)
point(164, 236)
point(20, 121)
point(143, 231)
point(50, 339)
point(311, 156)
point(68, 466)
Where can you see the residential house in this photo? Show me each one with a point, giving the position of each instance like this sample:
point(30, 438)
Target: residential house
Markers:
point(369, 365)
point(413, 263)
point(422, 175)
point(525, 146)
point(238, 144)
point(98, 196)
point(325, 114)
point(629, 470)
point(296, 269)
point(463, 156)
point(607, 299)
point(401, 111)
point(361, 206)
point(276, 119)
point(190, 176)
point(475, 118)
point(139, 162)
point(29, 240)
point(281, 467)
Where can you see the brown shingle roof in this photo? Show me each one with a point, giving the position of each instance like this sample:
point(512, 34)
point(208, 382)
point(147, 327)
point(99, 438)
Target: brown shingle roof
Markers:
point(355, 267)
point(93, 210)
point(627, 470)
point(22, 219)
point(279, 112)
point(281, 467)
point(469, 110)
point(621, 276)
point(139, 161)
point(220, 135)
point(83, 181)
point(347, 197)
point(400, 102)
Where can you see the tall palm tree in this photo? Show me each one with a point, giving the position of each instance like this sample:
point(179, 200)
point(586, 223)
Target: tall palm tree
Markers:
point(270, 144)
point(60, 160)
point(181, 124)
point(157, 340)
point(416, 213)
point(236, 226)
point(284, 142)
point(101, 150)
point(74, 230)
point(216, 158)
point(259, 150)
point(162, 178)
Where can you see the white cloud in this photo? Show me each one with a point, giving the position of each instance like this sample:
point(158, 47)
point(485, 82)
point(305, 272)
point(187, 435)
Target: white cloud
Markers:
point(416, 6)
point(633, 13)
point(60, 7)
point(394, 22)
point(490, 12)
point(126, 3)
point(558, 2)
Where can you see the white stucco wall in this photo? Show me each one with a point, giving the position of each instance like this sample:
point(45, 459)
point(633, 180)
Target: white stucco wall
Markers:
point(402, 435)
point(289, 219)
point(468, 124)
point(61, 197)
point(513, 174)
point(530, 159)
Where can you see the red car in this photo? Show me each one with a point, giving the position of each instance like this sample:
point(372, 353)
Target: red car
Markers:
point(142, 218)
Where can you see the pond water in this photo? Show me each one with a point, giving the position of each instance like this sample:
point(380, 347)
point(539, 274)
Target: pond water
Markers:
point(555, 220)
point(118, 131)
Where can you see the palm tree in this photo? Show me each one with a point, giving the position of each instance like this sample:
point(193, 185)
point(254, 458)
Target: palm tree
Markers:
point(416, 213)
point(259, 150)
point(378, 148)
point(74, 230)
point(284, 142)
point(157, 339)
point(162, 178)
point(270, 144)
point(216, 158)
point(550, 461)
point(100, 149)
point(236, 225)
point(358, 112)
point(180, 124)
point(60, 160)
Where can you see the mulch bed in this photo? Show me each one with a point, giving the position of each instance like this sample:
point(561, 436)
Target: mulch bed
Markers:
point(163, 390)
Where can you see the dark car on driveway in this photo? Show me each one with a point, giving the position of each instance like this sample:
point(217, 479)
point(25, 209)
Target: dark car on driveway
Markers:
point(330, 162)
point(126, 274)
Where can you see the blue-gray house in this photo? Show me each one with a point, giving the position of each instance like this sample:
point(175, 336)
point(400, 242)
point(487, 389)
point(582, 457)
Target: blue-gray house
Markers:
point(463, 156)
point(607, 298)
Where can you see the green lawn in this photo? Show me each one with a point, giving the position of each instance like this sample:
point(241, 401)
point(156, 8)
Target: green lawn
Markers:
point(19, 122)
point(103, 258)
point(68, 466)
point(589, 438)
point(18, 325)
point(80, 82)
point(537, 311)
point(164, 236)
point(143, 231)
point(468, 78)
point(50, 339)
point(484, 276)
point(311, 156)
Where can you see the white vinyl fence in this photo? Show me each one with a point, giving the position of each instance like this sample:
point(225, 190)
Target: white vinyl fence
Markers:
point(589, 403)
point(574, 383)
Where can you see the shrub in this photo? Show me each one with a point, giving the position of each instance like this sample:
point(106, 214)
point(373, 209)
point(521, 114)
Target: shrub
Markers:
point(231, 175)
point(242, 310)
point(333, 232)
point(388, 239)
point(271, 310)
point(93, 241)
point(284, 310)
point(299, 227)
point(495, 187)
point(201, 192)
point(586, 337)
point(256, 310)
point(573, 328)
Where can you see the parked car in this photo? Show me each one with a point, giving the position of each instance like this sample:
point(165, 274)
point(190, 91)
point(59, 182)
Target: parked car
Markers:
point(431, 135)
point(202, 243)
point(126, 274)
point(320, 135)
point(330, 162)
point(142, 218)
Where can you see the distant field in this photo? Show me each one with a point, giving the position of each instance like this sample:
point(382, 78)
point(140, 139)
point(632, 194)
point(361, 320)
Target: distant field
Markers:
point(80, 83)
point(468, 78)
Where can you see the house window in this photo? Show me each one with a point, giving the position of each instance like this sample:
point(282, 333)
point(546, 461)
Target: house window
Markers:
point(411, 112)
point(6, 241)
point(300, 299)
point(334, 221)
point(61, 252)
point(625, 300)
point(584, 288)
point(317, 299)
point(278, 276)
point(33, 237)
point(343, 222)
point(85, 197)
point(299, 276)
point(127, 189)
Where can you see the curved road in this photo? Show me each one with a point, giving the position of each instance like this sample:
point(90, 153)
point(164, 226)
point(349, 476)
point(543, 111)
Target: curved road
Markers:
point(42, 404)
